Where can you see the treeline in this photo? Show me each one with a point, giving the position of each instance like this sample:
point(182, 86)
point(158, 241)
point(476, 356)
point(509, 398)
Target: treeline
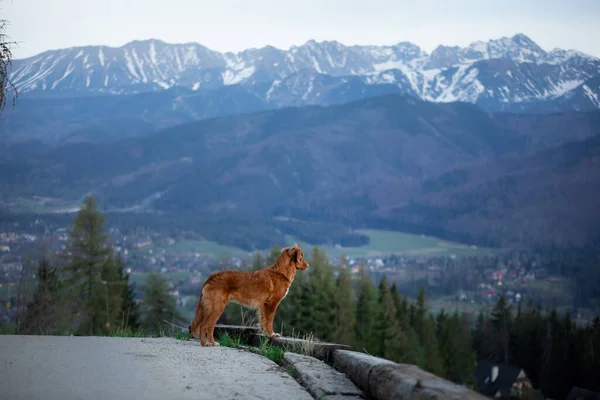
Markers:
point(554, 352)
point(374, 318)
point(86, 290)
point(334, 306)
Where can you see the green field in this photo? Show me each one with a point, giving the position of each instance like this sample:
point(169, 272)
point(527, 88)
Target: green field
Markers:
point(203, 247)
point(384, 243)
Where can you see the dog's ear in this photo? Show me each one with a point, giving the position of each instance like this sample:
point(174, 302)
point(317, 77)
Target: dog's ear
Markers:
point(292, 252)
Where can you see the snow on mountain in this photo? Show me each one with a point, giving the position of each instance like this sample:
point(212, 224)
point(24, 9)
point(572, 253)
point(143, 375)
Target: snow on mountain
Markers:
point(501, 74)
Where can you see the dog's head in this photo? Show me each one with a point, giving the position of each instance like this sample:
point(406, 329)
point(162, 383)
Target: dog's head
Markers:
point(295, 256)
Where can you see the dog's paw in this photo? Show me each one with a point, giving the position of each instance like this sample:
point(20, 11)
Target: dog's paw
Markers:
point(213, 344)
point(275, 335)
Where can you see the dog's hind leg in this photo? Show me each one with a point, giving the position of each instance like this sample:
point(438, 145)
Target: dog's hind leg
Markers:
point(194, 328)
point(218, 306)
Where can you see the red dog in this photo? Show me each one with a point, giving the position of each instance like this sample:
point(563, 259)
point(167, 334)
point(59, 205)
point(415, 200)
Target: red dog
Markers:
point(263, 289)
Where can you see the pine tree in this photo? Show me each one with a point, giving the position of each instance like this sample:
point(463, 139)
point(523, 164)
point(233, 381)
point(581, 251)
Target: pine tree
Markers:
point(113, 293)
point(388, 334)
point(434, 362)
point(412, 352)
point(45, 314)
point(158, 305)
point(501, 320)
point(130, 318)
point(397, 301)
point(478, 335)
point(295, 313)
point(419, 312)
point(87, 252)
point(322, 283)
point(345, 319)
point(527, 339)
point(366, 312)
point(455, 348)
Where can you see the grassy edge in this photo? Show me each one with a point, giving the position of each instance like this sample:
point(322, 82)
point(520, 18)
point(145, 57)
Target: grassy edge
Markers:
point(273, 353)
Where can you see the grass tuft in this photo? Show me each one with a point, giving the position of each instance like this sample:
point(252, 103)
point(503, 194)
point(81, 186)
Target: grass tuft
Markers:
point(273, 353)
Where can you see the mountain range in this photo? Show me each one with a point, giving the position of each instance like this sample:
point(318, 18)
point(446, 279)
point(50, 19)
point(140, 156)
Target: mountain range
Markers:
point(506, 74)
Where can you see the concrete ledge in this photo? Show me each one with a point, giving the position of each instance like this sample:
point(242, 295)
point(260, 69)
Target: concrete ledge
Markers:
point(375, 377)
point(253, 336)
point(245, 333)
point(386, 380)
point(321, 380)
point(320, 350)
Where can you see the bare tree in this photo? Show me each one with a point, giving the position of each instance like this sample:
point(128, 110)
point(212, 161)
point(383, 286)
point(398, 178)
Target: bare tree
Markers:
point(6, 85)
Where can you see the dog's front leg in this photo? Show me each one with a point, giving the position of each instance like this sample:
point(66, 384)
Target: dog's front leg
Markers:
point(267, 315)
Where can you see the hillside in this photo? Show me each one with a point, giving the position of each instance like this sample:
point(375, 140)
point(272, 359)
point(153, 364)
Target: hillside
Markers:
point(547, 197)
point(346, 165)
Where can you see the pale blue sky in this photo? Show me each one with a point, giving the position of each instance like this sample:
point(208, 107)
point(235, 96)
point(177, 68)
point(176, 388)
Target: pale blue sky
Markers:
point(233, 25)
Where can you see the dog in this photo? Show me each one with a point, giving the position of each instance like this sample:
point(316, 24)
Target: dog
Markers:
point(263, 290)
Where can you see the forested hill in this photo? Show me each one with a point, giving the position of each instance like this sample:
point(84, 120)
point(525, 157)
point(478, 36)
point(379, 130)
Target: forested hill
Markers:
point(446, 169)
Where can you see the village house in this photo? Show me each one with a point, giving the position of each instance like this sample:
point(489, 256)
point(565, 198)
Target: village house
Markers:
point(501, 381)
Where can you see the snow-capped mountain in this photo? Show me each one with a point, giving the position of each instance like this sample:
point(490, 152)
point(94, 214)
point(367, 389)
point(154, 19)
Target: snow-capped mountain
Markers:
point(504, 74)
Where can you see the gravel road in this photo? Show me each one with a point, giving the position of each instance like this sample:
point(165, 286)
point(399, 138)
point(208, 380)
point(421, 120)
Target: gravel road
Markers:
point(54, 367)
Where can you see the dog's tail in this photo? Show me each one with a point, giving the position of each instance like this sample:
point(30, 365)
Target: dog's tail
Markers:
point(193, 328)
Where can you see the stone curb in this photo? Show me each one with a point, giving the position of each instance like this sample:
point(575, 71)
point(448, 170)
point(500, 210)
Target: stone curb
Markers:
point(386, 380)
point(252, 335)
point(322, 381)
point(376, 377)
point(245, 333)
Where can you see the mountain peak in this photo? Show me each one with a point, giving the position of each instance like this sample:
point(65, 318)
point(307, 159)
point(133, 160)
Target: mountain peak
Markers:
point(522, 39)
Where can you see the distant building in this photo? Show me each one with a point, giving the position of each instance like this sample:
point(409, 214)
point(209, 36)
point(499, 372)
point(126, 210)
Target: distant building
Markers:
point(501, 381)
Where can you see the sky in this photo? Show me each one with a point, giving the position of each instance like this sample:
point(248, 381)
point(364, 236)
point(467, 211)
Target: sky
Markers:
point(234, 25)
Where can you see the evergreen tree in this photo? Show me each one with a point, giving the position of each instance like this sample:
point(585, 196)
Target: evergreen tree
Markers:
point(419, 312)
point(388, 334)
point(528, 338)
point(366, 312)
point(113, 287)
point(434, 362)
point(397, 300)
point(322, 283)
point(501, 320)
point(45, 314)
point(158, 305)
point(130, 318)
point(412, 351)
point(295, 312)
point(455, 349)
point(478, 335)
point(87, 252)
point(345, 319)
